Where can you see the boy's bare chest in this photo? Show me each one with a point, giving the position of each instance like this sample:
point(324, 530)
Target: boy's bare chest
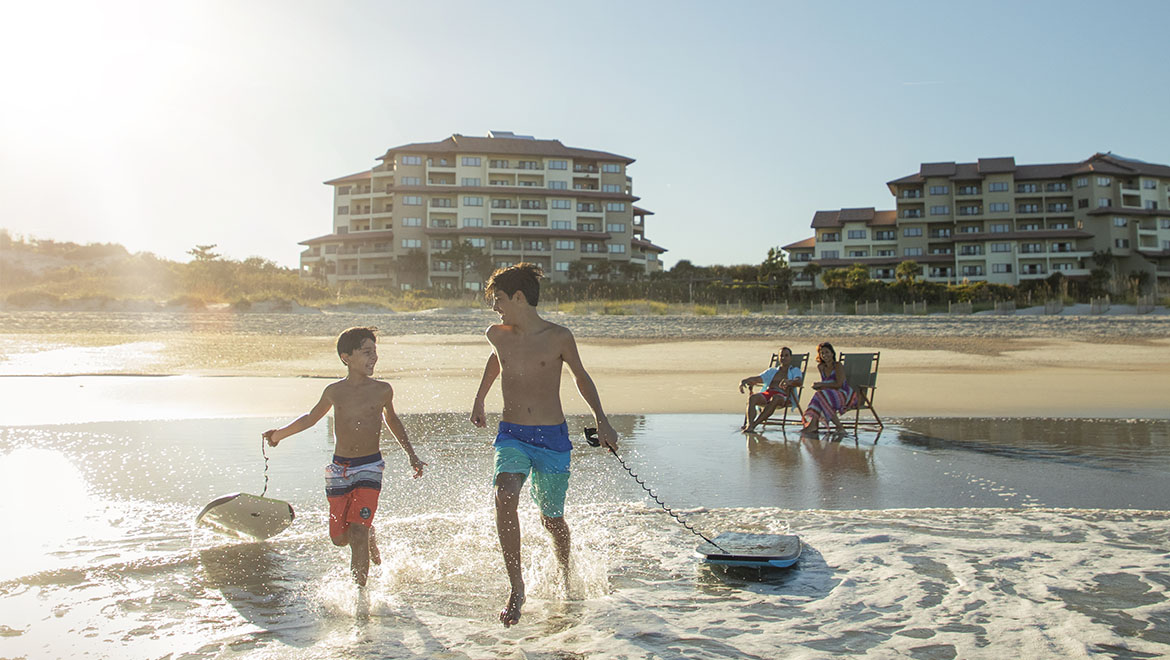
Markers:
point(528, 356)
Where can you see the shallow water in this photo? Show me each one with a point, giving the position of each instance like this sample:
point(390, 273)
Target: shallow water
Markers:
point(934, 539)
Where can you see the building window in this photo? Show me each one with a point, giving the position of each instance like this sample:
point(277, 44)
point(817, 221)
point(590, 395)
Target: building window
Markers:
point(1151, 205)
point(1104, 181)
point(940, 190)
point(615, 227)
point(611, 188)
point(411, 181)
point(442, 203)
point(562, 204)
point(1058, 225)
point(1028, 208)
point(1027, 188)
point(1164, 223)
point(857, 233)
point(343, 190)
point(562, 224)
point(470, 161)
point(911, 213)
point(412, 222)
point(912, 252)
point(442, 222)
point(884, 235)
point(1121, 242)
point(911, 193)
point(561, 266)
point(1030, 226)
point(830, 237)
point(1082, 203)
point(1001, 268)
point(1059, 186)
point(617, 249)
point(970, 249)
point(886, 253)
point(409, 243)
point(1031, 248)
point(970, 210)
point(558, 185)
point(411, 200)
point(472, 222)
point(558, 164)
point(534, 246)
point(910, 232)
point(342, 210)
point(476, 242)
point(584, 207)
point(940, 210)
point(1082, 181)
point(412, 160)
point(611, 168)
point(968, 190)
point(1120, 222)
point(498, 164)
point(999, 186)
point(858, 253)
point(470, 181)
point(441, 244)
point(972, 271)
point(830, 254)
point(1001, 247)
point(1058, 208)
point(565, 245)
point(615, 206)
point(504, 244)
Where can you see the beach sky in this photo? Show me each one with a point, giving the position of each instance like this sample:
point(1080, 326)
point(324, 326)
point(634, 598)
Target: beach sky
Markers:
point(165, 125)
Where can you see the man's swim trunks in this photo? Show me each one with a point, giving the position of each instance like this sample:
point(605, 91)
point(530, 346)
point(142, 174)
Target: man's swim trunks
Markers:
point(770, 394)
point(352, 486)
point(543, 451)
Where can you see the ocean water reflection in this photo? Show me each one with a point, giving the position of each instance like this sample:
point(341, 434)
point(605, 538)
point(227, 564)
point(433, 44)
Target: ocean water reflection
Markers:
point(936, 538)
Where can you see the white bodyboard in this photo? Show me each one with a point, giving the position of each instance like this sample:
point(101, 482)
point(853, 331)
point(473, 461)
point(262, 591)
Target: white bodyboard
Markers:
point(246, 515)
point(742, 549)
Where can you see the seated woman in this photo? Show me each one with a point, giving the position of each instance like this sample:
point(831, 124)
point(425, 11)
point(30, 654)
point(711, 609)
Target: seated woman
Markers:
point(833, 393)
point(779, 384)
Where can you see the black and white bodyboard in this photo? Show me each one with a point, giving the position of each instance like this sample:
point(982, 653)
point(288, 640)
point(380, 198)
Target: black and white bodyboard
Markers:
point(246, 515)
point(759, 550)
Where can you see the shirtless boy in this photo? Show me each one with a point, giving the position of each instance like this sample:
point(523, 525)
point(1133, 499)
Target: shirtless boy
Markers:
point(354, 479)
point(528, 353)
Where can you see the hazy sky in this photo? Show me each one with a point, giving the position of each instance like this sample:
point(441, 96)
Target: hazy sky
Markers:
point(161, 125)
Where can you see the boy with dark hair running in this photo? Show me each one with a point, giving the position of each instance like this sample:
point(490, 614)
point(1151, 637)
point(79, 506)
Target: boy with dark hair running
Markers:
point(528, 353)
point(353, 480)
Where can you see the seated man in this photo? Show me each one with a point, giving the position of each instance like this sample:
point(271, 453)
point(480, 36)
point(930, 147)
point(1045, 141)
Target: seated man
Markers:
point(779, 385)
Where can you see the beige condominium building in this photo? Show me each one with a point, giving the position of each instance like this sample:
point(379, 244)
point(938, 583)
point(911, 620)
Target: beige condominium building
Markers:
point(1000, 222)
point(515, 197)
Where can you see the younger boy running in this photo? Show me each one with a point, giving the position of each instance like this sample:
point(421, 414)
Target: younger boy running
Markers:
point(354, 479)
point(529, 352)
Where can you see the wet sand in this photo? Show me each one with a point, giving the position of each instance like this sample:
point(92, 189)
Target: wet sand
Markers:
point(107, 376)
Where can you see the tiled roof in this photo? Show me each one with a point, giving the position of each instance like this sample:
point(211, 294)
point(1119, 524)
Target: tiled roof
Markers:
point(869, 216)
point(808, 243)
point(384, 234)
point(647, 245)
point(462, 144)
point(360, 176)
point(1113, 210)
point(959, 237)
point(1098, 163)
point(996, 165)
point(641, 211)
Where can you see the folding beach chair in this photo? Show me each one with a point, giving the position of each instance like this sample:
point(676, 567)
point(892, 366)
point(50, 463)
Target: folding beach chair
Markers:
point(798, 360)
point(861, 370)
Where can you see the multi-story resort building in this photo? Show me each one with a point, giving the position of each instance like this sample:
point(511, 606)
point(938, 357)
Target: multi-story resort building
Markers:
point(514, 197)
point(1000, 222)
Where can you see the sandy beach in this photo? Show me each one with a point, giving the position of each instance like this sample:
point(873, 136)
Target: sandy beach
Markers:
point(265, 365)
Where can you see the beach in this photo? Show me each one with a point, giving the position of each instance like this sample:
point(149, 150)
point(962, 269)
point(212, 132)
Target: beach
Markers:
point(1015, 499)
point(213, 365)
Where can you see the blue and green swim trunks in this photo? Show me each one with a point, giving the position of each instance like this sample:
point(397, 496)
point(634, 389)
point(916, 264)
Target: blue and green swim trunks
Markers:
point(543, 451)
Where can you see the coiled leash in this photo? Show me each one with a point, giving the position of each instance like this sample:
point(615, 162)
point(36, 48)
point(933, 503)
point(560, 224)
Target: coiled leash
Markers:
point(591, 438)
point(264, 451)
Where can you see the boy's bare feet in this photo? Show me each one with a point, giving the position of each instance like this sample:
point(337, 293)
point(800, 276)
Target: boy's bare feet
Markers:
point(510, 615)
point(375, 554)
